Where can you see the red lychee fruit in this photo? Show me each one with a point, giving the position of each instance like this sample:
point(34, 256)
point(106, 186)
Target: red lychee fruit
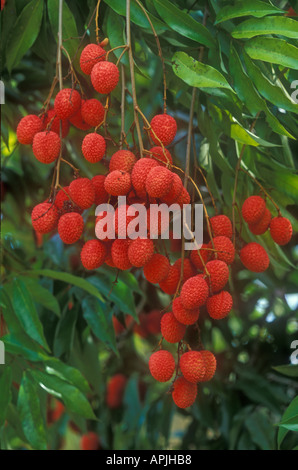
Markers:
point(221, 226)
point(159, 181)
point(161, 155)
point(163, 129)
point(119, 253)
point(91, 55)
point(157, 221)
point(188, 269)
point(219, 305)
point(118, 183)
point(93, 254)
point(77, 121)
point(184, 393)
point(218, 274)
point(118, 327)
point(27, 128)
point(70, 227)
point(172, 196)
point(162, 365)
point(92, 112)
point(82, 192)
point(122, 160)
point(52, 123)
point(157, 269)
point(184, 316)
point(67, 103)
point(139, 175)
point(90, 441)
point(122, 220)
point(104, 229)
point(153, 322)
point(104, 77)
point(140, 251)
point(115, 391)
point(46, 146)
point(253, 209)
point(254, 257)
point(93, 147)
point(224, 249)
point(281, 230)
point(210, 364)
point(262, 226)
point(192, 366)
point(44, 217)
point(171, 329)
point(184, 198)
point(196, 259)
point(194, 292)
point(101, 196)
point(170, 283)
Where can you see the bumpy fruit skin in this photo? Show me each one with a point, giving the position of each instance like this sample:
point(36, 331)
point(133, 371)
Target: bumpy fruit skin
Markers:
point(140, 251)
point(224, 249)
point(139, 175)
point(184, 316)
point(101, 196)
point(159, 181)
point(91, 55)
point(195, 258)
point(61, 198)
point(90, 441)
point(67, 103)
point(92, 112)
point(253, 209)
point(44, 217)
point(46, 146)
point(219, 275)
point(210, 364)
point(115, 391)
point(184, 198)
point(93, 254)
point(184, 393)
point(254, 257)
point(119, 253)
point(122, 220)
point(170, 283)
point(188, 269)
point(281, 230)
point(70, 227)
point(171, 329)
point(122, 160)
point(157, 269)
point(52, 123)
point(221, 226)
point(77, 121)
point(118, 183)
point(82, 192)
point(157, 221)
point(161, 155)
point(192, 366)
point(104, 77)
point(162, 365)
point(219, 305)
point(164, 127)
point(93, 147)
point(172, 196)
point(262, 226)
point(194, 292)
point(27, 128)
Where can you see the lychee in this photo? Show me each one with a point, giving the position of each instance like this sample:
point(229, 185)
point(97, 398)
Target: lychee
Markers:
point(224, 249)
point(253, 209)
point(93, 147)
point(210, 364)
point(46, 146)
point(139, 175)
point(92, 112)
point(262, 226)
point(192, 366)
point(170, 283)
point(77, 121)
point(115, 391)
point(162, 365)
point(101, 196)
point(67, 103)
point(140, 251)
point(119, 253)
point(172, 196)
point(218, 274)
point(254, 257)
point(184, 393)
point(171, 329)
point(221, 226)
point(219, 305)
point(91, 55)
point(44, 217)
point(184, 316)
point(27, 128)
point(194, 292)
point(163, 129)
point(157, 269)
point(281, 230)
point(70, 227)
point(82, 192)
point(122, 160)
point(93, 254)
point(188, 269)
point(104, 77)
point(52, 123)
point(118, 183)
point(198, 257)
point(161, 155)
point(90, 441)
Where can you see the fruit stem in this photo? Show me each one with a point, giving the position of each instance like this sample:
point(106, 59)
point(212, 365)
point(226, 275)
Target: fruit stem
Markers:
point(96, 22)
point(60, 78)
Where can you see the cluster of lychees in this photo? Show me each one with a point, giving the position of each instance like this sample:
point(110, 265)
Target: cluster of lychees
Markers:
point(145, 181)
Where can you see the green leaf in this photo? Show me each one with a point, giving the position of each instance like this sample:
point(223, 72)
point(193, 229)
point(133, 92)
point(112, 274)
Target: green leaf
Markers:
point(183, 23)
point(65, 330)
point(289, 421)
point(30, 414)
point(115, 33)
point(261, 430)
point(197, 74)
point(23, 346)
point(276, 51)
point(290, 424)
point(69, 27)
point(96, 317)
point(55, 367)
point(253, 8)
point(276, 94)
point(23, 33)
point(69, 278)
point(5, 395)
point(73, 398)
point(26, 312)
point(290, 370)
point(270, 25)
point(42, 296)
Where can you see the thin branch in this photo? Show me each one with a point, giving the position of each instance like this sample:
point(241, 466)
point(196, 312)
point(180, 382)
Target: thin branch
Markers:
point(122, 134)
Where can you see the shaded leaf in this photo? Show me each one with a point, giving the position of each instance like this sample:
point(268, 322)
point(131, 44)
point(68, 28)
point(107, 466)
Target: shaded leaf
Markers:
point(276, 51)
point(253, 8)
point(270, 25)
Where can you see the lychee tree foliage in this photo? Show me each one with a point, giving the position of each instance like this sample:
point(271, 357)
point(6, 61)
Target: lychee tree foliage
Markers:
point(82, 342)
